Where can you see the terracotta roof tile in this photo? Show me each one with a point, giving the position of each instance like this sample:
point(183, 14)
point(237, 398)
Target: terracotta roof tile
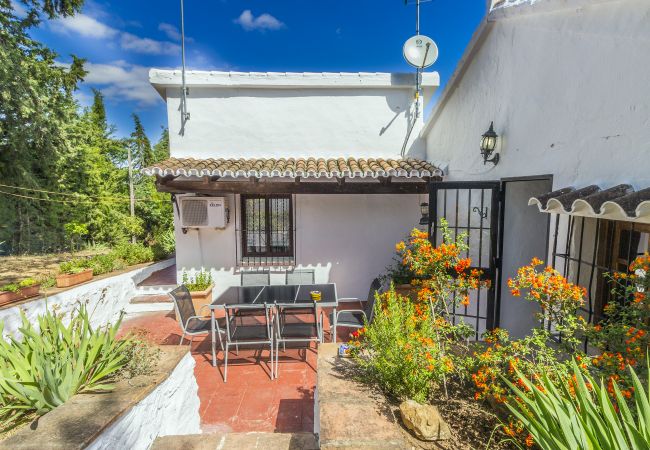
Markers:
point(296, 167)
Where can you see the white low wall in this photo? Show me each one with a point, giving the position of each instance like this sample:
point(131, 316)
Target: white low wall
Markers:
point(105, 299)
point(170, 409)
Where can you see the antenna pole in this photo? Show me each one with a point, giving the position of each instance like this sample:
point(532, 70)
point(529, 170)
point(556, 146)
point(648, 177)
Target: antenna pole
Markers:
point(417, 70)
point(184, 114)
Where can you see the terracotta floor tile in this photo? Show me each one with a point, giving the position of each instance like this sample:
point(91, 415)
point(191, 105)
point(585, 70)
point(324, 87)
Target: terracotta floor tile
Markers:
point(250, 400)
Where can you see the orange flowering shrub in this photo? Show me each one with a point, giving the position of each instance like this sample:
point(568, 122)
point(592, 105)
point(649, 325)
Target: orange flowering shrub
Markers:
point(398, 350)
point(623, 336)
point(444, 277)
point(407, 349)
point(505, 359)
point(522, 362)
point(558, 299)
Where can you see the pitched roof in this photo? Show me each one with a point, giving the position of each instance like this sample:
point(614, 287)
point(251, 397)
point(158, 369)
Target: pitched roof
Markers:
point(620, 202)
point(296, 167)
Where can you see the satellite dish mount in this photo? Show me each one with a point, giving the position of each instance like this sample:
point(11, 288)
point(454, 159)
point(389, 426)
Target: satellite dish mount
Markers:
point(419, 51)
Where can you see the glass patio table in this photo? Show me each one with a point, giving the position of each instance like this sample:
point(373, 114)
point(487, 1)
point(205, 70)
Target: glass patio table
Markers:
point(281, 294)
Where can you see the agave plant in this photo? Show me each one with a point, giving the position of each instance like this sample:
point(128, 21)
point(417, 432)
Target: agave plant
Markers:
point(581, 415)
point(49, 364)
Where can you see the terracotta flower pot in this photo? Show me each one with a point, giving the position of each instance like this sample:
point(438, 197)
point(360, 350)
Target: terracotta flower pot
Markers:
point(70, 279)
point(407, 290)
point(201, 298)
point(7, 297)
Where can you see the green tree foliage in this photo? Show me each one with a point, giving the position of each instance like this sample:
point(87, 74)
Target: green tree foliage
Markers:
point(60, 165)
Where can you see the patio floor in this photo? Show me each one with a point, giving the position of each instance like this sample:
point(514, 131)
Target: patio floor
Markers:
point(250, 400)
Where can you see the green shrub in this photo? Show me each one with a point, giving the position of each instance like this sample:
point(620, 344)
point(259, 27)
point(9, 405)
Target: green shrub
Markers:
point(74, 266)
point(401, 350)
point(52, 362)
point(15, 287)
point(580, 415)
point(133, 254)
point(200, 282)
point(165, 244)
point(105, 263)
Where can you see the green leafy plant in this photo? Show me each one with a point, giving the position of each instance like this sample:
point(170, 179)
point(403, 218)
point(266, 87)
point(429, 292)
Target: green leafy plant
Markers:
point(52, 362)
point(581, 415)
point(73, 266)
point(105, 263)
point(165, 244)
point(398, 350)
point(15, 287)
point(200, 282)
point(133, 254)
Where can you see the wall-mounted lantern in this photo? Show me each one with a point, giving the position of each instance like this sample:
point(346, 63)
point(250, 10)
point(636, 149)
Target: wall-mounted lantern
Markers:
point(488, 144)
point(424, 210)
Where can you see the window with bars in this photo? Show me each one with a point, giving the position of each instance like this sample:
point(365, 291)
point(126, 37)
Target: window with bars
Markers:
point(267, 226)
point(585, 249)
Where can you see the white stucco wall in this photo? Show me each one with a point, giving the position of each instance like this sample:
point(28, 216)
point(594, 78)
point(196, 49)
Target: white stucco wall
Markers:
point(293, 115)
point(172, 408)
point(347, 239)
point(105, 299)
point(566, 84)
point(567, 89)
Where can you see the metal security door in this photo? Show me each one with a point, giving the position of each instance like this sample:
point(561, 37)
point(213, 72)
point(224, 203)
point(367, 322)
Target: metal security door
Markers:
point(471, 207)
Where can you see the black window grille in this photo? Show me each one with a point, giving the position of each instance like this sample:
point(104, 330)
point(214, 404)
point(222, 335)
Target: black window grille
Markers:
point(585, 249)
point(267, 227)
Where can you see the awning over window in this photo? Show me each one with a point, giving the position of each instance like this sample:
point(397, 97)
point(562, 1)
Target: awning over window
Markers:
point(620, 202)
point(297, 167)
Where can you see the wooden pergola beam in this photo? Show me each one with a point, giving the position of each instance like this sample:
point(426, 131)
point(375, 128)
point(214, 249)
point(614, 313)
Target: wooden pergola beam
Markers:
point(296, 187)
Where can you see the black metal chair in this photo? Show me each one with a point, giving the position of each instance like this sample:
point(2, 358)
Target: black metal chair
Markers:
point(255, 333)
point(258, 278)
point(291, 328)
point(191, 323)
point(356, 318)
point(301, 276)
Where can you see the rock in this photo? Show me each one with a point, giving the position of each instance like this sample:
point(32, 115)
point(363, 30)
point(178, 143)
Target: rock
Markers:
point(424, 421)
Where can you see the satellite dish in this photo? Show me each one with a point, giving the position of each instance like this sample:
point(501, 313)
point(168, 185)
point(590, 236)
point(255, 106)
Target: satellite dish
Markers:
point(420, 51)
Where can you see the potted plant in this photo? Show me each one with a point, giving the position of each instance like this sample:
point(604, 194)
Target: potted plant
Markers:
point(200, 287)
point(74, 272)
point(14, 292)
point(401, 276)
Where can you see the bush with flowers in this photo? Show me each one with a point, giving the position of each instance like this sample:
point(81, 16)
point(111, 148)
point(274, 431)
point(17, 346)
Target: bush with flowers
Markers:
point(398, 352)
point(623, 336)
point(410, 348)
point(522, 362)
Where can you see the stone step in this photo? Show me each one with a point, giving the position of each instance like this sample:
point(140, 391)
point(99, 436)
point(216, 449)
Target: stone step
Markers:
point(154, 290)
point(149, 303)
point(154, 298)
point(238, 441)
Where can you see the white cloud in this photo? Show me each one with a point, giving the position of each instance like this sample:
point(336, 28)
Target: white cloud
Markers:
point(262, 22)
point(90, 27)
point(122, 81)
point(84, 25)
point(19, 10)
point(170, 31)
point(137, 44)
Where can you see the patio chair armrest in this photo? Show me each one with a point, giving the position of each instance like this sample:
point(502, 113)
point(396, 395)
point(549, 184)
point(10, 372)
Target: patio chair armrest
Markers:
point(188, 320)
point(349, 298)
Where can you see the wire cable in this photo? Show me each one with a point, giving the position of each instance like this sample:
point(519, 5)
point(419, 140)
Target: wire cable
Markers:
point(77, 195)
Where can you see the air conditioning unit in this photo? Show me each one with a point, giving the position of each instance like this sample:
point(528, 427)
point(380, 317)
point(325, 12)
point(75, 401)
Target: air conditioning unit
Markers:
point(204, 212)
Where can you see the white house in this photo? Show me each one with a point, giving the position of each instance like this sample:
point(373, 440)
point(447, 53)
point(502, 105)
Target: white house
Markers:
point(565, 84)
point(309, 166)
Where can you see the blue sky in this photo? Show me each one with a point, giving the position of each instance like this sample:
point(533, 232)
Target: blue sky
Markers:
point(123, 39)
